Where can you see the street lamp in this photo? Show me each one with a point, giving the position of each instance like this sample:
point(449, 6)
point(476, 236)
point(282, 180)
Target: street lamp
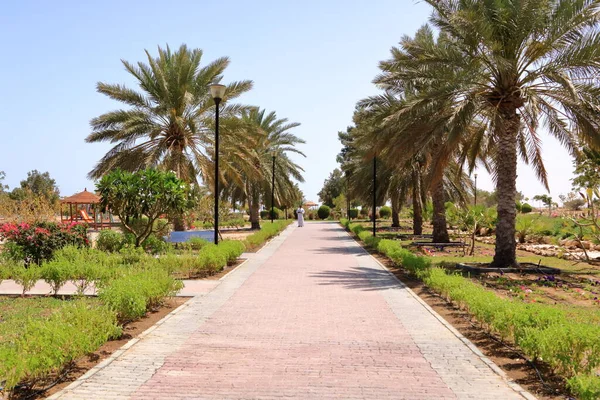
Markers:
point(475, 189)
point(273, 155)
point(217, 92)
point(348, 194)
point(374, 194)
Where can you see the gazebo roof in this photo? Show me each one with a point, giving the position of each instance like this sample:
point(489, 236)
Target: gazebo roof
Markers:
point(310, 204)
point(84, 197)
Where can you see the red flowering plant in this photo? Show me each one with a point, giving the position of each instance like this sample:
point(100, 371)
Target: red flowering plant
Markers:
point(38, 241)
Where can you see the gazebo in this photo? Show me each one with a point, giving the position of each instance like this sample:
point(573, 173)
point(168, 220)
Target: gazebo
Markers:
point(310, 204)
point(83, 207)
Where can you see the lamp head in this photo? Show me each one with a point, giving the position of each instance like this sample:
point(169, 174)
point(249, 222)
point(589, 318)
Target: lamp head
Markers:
point(217, 91)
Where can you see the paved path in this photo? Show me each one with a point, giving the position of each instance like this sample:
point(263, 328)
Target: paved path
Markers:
point(310, 316)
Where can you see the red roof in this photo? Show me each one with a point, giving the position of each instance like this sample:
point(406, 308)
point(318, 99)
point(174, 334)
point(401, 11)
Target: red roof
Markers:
point(84, 197)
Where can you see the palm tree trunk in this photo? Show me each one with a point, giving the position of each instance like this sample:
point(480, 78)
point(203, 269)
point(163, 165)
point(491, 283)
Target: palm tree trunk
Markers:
point(253, 201)
point(396, 207)
point(179, 223)
point(506, 171)
point(417, 206)
point(440, 230)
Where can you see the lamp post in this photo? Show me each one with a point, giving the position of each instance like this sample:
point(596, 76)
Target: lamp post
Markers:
point(475, 189)
point(374, 194)
point(273, 155)
point(348, 195)
point(217, 92)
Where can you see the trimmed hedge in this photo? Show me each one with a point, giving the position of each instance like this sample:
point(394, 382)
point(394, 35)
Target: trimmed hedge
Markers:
point(385, 212)
point(323, 212)
point(266, 232)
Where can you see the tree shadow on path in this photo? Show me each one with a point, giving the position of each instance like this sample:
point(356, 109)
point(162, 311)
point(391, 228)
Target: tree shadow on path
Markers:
point(346, 250)
point(360, 278)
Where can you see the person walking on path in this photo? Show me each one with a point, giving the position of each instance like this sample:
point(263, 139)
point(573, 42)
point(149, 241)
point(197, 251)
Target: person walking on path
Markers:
point(300, 213)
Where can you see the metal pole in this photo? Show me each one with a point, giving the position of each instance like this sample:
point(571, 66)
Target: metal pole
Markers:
point(347, 195)
point(374, 195)
point(217, 101)
point(475, 189)
point(273, 191)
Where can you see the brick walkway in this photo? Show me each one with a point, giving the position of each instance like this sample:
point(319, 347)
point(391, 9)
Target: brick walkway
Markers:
point(310, 316)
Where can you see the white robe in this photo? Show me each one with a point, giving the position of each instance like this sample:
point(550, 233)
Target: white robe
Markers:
point(300, 213)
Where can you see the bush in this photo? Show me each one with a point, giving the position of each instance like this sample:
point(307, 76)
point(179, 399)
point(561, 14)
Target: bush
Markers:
point(45, 345)
point(24, 276)
point(526, 208)
point(110, 241)
point(323, 212)
point(586, 386)
point(364, 212)
point(353, 213)
point(212, 258)
point(264, 214)
point(266, 232)
point(385, 212)
point(155, 245)
point(132, 295)
point(232, 249)
point(197, 243)
point(37, 242)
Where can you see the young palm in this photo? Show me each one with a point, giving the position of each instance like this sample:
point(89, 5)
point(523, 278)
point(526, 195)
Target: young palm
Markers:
point(516, 63)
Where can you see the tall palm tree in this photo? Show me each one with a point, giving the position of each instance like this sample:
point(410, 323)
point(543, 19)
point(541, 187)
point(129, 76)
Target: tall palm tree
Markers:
point(169, 121)
point(516, 63)
point(275, 139)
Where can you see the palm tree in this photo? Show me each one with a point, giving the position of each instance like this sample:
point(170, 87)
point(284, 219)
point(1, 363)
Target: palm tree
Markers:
point(516, 64)
point(169, 121)
point(274, 140)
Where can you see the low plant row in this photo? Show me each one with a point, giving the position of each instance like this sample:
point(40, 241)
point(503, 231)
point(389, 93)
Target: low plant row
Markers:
point(566, 339)
point(32, 348)
point(266, 232)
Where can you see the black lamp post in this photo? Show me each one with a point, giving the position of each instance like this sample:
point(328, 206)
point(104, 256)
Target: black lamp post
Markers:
point(374, 194)
point(475, 189)
point(217, 92)
point(348, 194)
point(273, 155)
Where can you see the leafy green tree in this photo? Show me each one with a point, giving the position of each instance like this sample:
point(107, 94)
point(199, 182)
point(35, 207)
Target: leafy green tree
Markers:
point(38, 184)
point(3, 187)
point(332, 187)
point(547, 200)
point(143, 196)
point(587, 170)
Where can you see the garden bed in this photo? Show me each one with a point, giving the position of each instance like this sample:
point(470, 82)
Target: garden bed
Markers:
point(524, 268)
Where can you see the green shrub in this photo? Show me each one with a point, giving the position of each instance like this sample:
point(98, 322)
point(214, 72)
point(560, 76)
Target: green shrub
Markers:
point(353, 213)
point(212, 258)
point(323, 212)
point(132, 255)
point(266, 232)
point(587, 387)
point(364, 212)
point(132, 295)
point(385, 212)
point(110, 241)
point(56, 273)
point(264, 214)
point(46, 345)
point(155, 245)
point(232, 249)
point(526, 208)
point(26, 277)
point(197, 243)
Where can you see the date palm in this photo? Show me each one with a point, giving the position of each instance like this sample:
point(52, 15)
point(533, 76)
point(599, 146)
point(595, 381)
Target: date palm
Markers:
point(168, 122)
point(273, 137)
point(518, 65)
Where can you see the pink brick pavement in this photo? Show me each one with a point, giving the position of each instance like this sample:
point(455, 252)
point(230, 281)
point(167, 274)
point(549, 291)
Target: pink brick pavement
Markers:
point(317, 318)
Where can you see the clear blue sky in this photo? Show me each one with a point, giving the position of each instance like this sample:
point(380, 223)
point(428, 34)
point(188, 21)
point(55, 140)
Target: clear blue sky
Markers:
point(310, 62)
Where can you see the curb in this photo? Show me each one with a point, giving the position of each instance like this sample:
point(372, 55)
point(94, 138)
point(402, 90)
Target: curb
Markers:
point(497, 370)
point(107, 361)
